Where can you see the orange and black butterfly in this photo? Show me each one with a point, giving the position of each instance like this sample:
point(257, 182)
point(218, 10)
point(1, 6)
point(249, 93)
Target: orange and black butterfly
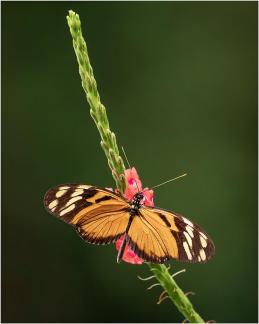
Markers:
point(101, 216)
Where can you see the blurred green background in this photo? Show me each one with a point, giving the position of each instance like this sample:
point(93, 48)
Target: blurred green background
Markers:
point(179, 80)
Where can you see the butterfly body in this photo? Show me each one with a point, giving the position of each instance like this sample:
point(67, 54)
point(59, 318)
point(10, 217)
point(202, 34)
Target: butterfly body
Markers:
point(135, 204)
point(101, 216)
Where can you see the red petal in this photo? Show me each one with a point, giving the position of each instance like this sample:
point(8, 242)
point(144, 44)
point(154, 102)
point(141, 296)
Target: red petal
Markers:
point(134, 184)
point(128, 255)
point(148, 197)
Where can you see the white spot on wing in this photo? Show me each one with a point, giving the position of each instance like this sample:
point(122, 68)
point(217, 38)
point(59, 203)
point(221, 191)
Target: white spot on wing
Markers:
point(199, 258)
point(63, 188)
point(189, 229)
point(60, 193)
point(83, 187)
point(203, 235)
point(187, 250)
point(188, 238)
point(77, 192)
point(67, 210)
point(187, 221)
point(203, 242)
point(53, 204)
point(202, 254)
point(72, 200)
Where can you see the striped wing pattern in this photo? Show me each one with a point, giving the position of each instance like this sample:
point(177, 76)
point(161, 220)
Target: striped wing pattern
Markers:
point(101, 216)
point(158, 235)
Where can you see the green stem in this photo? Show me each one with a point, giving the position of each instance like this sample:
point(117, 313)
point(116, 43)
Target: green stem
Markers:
point(175, 293)
point(115, 162)
point(97, 109)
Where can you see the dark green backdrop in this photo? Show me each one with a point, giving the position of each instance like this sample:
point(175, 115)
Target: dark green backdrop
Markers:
point(179, 80)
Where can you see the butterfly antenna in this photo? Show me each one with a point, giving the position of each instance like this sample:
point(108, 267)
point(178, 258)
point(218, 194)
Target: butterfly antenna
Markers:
point(128, 164)
point(161, 184)
point(126, 157)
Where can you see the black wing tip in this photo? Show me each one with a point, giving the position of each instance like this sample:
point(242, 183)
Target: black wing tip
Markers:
point(50, 193)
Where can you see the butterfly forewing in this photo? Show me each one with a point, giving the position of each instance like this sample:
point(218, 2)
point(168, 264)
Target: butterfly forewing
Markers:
point(99, 215)
point(157, 235)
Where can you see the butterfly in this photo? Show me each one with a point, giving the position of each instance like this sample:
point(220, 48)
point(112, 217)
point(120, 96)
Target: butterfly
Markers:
point(101, 216)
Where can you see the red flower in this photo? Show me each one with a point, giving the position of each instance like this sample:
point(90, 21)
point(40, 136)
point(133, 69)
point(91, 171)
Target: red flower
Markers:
point(128, 255)
point(134, 186)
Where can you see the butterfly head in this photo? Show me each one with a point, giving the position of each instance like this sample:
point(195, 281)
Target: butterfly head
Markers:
point(139, 196)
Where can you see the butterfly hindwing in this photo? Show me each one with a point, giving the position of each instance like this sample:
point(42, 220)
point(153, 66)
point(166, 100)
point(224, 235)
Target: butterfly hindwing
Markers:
point(157, 235)
point(100, 216)
point(151, 240)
